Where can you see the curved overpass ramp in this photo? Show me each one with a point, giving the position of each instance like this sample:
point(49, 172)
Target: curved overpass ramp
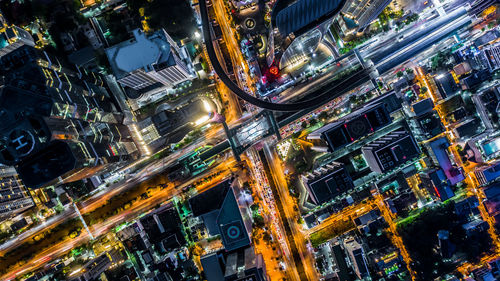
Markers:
point(314, 102)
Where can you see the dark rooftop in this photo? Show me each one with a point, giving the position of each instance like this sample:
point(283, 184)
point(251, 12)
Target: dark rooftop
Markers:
point(209, 200)
point(300, 16)
point(55, 160)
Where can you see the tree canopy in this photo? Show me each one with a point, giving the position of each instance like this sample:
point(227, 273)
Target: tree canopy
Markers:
point(175, 16)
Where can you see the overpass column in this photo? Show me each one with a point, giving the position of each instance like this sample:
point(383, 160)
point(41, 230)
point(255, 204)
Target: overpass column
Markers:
point(274, 124)
point(230, 139)
point(359, 57)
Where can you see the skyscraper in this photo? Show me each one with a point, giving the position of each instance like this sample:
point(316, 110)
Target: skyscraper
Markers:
point(57, 123)
point(390, 151)
point(13, 37)
point(297, 28)
point(149, 61)
point(14, 198)
point(356, 15)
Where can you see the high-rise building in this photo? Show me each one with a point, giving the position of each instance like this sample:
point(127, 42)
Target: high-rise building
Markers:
point(446, 85)
point(297, 28)
point(169, 126)
point(328, 182)
point(354, 126)
point(14, 198)
point(487, 103)
point(390, 151)
point(147, 62)
point(219, 209)
point(356, 15)
point(57, 123)
point(13, 37)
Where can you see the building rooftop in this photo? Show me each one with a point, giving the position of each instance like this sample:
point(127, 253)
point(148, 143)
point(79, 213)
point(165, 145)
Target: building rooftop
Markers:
point(163, 227)
point(328, 182)
point(468, 128)
point(140, 52)
point(302, 15)
point(390, 151)
point(209, 200)
point(354, 126)
point(46, 165)
point(221, 214)
point(212, 267)
point(439, 148)
point(423, 106)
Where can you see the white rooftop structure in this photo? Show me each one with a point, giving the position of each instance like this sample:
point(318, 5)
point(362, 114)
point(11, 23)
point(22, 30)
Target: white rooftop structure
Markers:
point(142, 53)
point(148, 61)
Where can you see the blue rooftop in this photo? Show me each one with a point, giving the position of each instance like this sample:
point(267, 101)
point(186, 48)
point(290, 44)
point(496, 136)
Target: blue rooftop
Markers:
point(493, 172)
point(441, 185)
point(439, 148)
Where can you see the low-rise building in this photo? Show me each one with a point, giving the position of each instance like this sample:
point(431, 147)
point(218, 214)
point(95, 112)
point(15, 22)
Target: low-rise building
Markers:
point(357, 257)
point(487, 174)
point(239, 265)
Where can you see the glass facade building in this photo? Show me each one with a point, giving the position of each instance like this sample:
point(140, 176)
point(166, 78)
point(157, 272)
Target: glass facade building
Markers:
point(297, 28)
point(58, 123)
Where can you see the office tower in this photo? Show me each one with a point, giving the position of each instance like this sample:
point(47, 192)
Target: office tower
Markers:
point(446, 85)
point(169, 126)
point(390, 151)
point(356, 15)
point(354, 126)
point(13, 37)
point(14, 199)
point(147, 62)
point(487, 103)
point(57, 124)
point(297, 27)
point(218, 207)
point(328, 182)
point(163, 229)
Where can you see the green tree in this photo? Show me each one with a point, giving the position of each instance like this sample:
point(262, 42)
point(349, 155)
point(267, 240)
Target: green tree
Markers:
point(176, 16)
point(323, 115)
point(399, 74)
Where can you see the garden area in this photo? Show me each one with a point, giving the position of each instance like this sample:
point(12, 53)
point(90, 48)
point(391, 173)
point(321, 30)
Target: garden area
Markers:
point(175, 16)
point(333, 230)
point(428, 263)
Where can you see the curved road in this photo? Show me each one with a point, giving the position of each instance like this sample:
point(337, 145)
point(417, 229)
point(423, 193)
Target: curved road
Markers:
point(311, 103)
